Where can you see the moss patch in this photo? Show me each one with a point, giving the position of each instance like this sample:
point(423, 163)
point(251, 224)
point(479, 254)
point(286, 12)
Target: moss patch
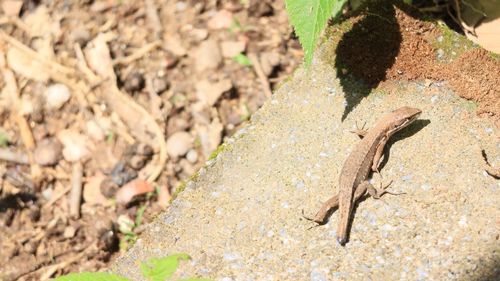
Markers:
point(450, 45)
point(217, 151)
point(182, 186)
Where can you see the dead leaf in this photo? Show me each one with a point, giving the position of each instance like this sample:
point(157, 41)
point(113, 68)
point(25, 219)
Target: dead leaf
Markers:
point(179, 143)
point(207, 56)
point(11, 8)
point(222, 19)
point(99, 58)
point(208, 93)
point(102, 6)
point(268, 61)
point(76, 145)
point(40, 24)
point(164, 196)
point(92, 190)
point(26, 66)
point(210, 136)
point(173, 43)
point(131, 189)
point(232, 48)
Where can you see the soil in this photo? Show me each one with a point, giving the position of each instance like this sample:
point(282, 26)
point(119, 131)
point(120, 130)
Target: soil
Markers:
point(403, 47)
point(211, 67)
point(40, 237)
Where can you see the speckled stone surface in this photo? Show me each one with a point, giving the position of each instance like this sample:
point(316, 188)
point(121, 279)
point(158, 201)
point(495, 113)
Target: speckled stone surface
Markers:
point(242, 218)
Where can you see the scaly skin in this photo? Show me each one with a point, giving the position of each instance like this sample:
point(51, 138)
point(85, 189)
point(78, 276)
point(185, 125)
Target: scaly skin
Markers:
point(365, 158)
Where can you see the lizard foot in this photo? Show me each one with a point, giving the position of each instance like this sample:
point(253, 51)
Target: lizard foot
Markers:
point(319, 222)
point(378, 192)
point(361, 133)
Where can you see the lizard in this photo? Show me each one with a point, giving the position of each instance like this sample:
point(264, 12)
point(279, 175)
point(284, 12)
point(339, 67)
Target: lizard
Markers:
point(363, 159)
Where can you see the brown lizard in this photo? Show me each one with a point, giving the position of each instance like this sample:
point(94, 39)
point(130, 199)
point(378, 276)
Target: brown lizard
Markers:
point(364, 158)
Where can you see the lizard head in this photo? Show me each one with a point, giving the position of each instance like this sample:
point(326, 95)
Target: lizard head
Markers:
point(404, 116)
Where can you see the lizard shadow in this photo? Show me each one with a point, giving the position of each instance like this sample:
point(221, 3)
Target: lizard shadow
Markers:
point(407, 132)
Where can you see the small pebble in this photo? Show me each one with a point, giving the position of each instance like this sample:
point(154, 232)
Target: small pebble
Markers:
point(192, 156)
point(137, 162)
point(139, 148)
point(48, 152)
point(121, 174)
point(47, 193)
point(440, 53)
point(80, 35)
point(134, 82)
point(35, 213)
point(180, 6)
point(406, 177)
point(125, 224)
point(463, 221)
point(425, 187)
point(231, 256)
point(317, 275)
point(179, 144)
point(108, 188)
point(69, 232)
point(159, 85)
point(56, 96)
point(95, 131)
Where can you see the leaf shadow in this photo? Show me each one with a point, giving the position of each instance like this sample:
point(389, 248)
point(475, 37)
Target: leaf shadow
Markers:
point(367, 51)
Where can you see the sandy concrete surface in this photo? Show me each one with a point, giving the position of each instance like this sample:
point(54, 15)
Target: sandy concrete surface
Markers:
point(242, 218)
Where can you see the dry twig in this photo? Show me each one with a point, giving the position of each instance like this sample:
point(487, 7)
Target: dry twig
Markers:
point(16, 157)
point(12, 91)
point(75, 198)
point(134, 115)
point(56, 197)
point(117, 100)
point(53, 66)
point(139, 53)
point(153, 18)
point(266, 87)
point(55, 267)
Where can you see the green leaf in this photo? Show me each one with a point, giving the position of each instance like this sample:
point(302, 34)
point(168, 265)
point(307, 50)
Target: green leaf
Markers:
point(139, 215)
point(110, 137)
point(4, 140)
point(242, 59)
point(91, 276)
point(309, 18)
point(162, 268)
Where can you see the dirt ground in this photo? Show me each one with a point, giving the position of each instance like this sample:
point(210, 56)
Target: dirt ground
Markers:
point(389, 44)
point(103, 117)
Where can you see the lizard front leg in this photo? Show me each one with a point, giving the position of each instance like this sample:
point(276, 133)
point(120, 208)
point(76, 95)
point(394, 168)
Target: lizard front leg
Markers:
point(360, 132)
point(378, 192)
point(378, 154)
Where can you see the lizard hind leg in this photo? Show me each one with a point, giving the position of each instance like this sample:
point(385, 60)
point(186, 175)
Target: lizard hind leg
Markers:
point(360, 132)
point(378, 192)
